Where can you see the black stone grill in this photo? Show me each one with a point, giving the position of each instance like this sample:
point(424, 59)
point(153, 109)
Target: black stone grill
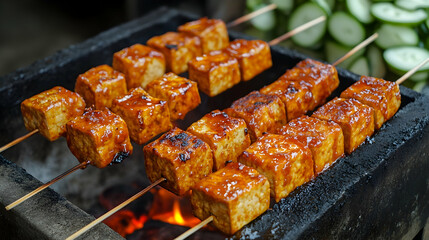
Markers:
point(379, 191)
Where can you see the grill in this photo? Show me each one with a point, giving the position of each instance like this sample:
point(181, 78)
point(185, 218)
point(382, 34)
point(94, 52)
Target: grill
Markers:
point(379, 191)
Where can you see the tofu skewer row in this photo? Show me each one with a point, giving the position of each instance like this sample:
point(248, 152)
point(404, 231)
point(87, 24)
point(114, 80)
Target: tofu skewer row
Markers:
point(52, 133)
point(286, 160)
point(238, 128)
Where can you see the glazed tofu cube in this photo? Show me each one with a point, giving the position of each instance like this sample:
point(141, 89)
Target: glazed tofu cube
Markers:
point(180, 93)
point(140, 64)
point(254, 56)
point(234, 196)
point(100, 85)
point(383, 96)
point(296, 96)
point(49, 111)
point(356, 120)
point(178, 49)
point(180, 157)
point(212, 33)
point(324, 138)
point(100, 137)
point(284, 161)
point(214, 72)
point(227, 136)
point(145, 116)
point(323, 78)
point(262, 113)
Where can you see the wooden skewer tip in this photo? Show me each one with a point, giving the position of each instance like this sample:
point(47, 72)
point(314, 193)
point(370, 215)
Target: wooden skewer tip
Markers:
point(39, 189)
point(251, 15)
point(114, 210)
point(18, 140)
point(357, 48)
point(411, 72)
point(195, 228)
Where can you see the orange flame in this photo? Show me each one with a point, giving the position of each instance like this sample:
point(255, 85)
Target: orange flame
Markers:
point(125, 222)
point(172, 209)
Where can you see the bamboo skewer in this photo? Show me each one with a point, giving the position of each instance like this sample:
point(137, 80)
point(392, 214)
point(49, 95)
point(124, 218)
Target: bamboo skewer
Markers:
point(297, 30)
point(195, 228)
point(357, 48)
point(18, 140)
point(411, 72)
point(35, 191)
point(114, 210)
point(251, 15)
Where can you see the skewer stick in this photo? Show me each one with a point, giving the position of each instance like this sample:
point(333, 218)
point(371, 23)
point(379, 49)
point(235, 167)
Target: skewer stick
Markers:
point(22, 199)
point(117, 208)
point(18, 140)
point(297, 30)
point(194, 229)
point(251, 15)
point(411, 72)
point(357, 48)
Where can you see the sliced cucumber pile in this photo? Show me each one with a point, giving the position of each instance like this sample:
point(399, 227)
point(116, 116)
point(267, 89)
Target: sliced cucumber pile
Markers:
point(403, 59)
point(402, 27)
point(346, 29)
point(265, 21)
point(389, 13)
point(393, 36)
point(304, 14)
point(360, 9)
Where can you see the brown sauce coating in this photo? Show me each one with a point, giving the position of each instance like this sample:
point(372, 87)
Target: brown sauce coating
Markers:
point(172, 40)
point(138, 52)
point(213, 60)
point(241, 48)
point(231, 182)
point(199, 26)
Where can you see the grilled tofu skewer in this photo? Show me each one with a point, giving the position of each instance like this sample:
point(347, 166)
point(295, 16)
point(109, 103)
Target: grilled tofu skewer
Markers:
point(98, 137)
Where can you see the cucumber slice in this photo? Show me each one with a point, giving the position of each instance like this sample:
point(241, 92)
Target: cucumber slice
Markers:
point(264, 22)
point(323, 5)
point(392, 36)
point(303, 14)
point(412, 4)
point(360, 66)
point(419, 86)
point(334, 51)
point(331, 4)
point(346, 29)
point(427, 23)
point(376, 62)
point(285, 6)
point(403, 59)
point(252, 4)
point(360, 9)
point(420, 77)
point(389, 13)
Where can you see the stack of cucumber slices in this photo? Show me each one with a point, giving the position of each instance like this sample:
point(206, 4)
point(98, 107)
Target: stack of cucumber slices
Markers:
point(402, 25)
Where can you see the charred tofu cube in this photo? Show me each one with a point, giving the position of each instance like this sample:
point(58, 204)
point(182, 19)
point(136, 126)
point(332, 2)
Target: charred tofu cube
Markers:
point(324, 138)
point(212, 33)
point(227, 136)
point(262, 113)
point(296, 96)
point(323, 78)
point(100, 85)
point(286, 162)
point(178, 49)
point(383, 96)
point(214, 72)
point(234, 196)
point(254, 56)
point(180, 93)
point(49, 111)
point(145, 116)
point(356, 120)
point(140, 64)
point(100, 137)
point(179, 157)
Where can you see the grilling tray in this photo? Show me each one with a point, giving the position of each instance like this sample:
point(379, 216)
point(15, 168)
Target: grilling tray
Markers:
point(381, 190)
